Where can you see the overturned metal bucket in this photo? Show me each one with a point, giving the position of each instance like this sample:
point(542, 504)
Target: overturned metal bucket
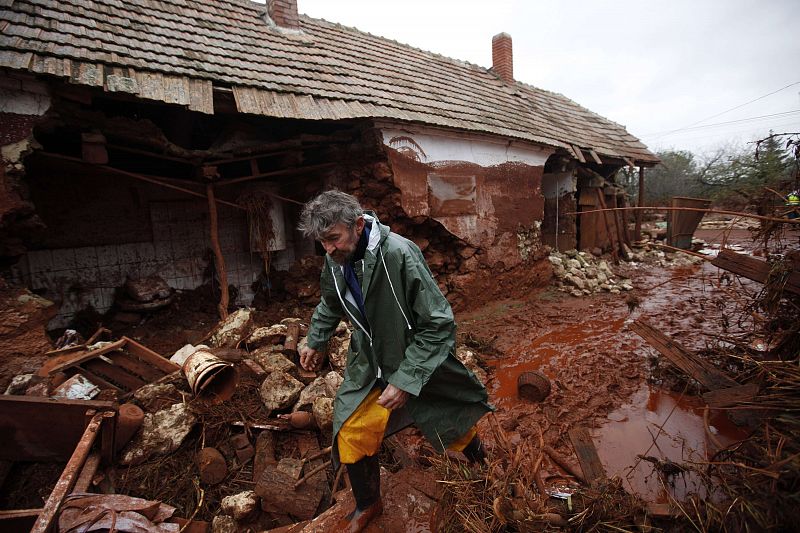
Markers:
point(209, 377)
point(533, 386)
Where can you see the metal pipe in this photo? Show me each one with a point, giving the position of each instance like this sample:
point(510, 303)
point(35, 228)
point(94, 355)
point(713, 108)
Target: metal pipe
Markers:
point(69, 475)
point(716, 211)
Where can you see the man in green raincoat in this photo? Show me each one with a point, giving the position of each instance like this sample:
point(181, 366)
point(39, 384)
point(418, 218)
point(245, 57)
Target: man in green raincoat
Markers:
point(401, 368)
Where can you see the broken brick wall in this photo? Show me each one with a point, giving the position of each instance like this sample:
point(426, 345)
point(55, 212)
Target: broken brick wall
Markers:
point(474, 218)
point(24, 102)
point(103, 228)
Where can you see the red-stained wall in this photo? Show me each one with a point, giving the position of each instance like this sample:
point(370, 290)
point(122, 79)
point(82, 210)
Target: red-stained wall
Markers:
point(494, 209)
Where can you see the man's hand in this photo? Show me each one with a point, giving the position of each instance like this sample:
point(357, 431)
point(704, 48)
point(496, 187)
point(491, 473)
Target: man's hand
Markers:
point(393, 398)
point(310, 359)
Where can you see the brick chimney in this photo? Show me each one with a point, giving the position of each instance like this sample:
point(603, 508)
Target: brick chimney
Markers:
point(502, 57)
point(284, 13)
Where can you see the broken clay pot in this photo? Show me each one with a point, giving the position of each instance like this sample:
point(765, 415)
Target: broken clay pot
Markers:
point(299, 419)
point(129, 421)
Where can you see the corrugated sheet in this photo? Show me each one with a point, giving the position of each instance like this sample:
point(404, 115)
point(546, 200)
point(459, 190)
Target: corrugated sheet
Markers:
point(174, 50)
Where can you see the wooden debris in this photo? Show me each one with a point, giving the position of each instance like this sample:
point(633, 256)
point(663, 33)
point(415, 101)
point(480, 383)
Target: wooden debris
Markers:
point(731, 396)
point(219, 260)
point(752, 268)
point(694, 367)
point(587, 455)
point(571, 469)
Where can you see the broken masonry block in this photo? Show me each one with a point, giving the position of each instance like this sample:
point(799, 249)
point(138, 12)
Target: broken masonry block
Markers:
point(212, 466)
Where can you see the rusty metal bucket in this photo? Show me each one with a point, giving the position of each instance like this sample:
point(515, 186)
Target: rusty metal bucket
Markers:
point(210, 377)
point(533, 386)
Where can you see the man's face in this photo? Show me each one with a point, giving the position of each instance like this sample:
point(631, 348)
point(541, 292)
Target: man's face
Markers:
point(340, 241)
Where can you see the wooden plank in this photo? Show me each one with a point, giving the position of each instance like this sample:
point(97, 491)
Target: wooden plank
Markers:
point(731, 396)
point(578, 154)
point(97, 380)
point(18, 520)
point(68, 477)
point(614, 246)
point(149, 356)
point(136, 366)
point(752, 268)
point(595, 157)
point(87, 473)
point(703, 372)
point(591, 466)
point(113, 374)
point(61, 364)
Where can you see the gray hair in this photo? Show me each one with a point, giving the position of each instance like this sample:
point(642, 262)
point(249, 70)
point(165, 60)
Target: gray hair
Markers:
point(327, 210)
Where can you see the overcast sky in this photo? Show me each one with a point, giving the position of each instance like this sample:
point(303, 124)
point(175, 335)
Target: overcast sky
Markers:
point(652, 66)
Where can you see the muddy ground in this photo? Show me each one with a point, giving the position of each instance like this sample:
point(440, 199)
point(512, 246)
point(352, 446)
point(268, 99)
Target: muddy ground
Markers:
point(603, 376)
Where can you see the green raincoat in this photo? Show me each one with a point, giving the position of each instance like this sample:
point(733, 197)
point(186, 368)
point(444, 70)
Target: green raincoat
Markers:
point(410, 340)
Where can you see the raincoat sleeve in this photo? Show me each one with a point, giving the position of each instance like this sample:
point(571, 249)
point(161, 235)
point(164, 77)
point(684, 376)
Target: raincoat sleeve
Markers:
point(433, 327)
point(327, 314)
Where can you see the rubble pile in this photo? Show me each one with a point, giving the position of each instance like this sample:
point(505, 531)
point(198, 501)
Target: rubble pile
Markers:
point(583, 273)
point(144, 294)
point(580, 273)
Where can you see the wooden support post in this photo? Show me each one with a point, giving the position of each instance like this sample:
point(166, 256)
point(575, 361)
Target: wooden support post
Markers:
point(602, 201)
point(218, 259)
point(638, 230)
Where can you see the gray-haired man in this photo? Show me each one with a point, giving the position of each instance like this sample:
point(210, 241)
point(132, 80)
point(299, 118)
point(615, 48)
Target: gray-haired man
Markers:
point(401, 368)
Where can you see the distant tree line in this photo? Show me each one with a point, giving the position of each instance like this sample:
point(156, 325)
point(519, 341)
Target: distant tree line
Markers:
point(728, 176)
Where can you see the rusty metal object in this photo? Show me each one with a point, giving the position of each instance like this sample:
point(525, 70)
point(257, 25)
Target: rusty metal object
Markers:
point(70, 474)
point(210, 377)
point(212, 465)
point(299, 419)
point(533, 386)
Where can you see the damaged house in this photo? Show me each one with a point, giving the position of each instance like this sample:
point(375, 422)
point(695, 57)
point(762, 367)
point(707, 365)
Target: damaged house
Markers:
point(179, 139)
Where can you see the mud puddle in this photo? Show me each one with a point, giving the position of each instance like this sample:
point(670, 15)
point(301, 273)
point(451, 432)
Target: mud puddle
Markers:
point(658, 425)
point(582, 361)
point(547, 354)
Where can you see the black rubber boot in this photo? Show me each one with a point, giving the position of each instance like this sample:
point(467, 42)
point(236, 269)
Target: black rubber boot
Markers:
point(365, 479)
point(475, 452)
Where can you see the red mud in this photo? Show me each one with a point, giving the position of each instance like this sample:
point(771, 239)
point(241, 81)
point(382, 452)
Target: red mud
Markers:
point(598, 368)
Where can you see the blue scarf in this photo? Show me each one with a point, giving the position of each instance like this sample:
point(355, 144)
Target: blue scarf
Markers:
point(350, 273)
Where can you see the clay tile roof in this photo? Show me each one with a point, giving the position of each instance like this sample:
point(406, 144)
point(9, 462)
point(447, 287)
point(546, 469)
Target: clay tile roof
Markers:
point(176, 51)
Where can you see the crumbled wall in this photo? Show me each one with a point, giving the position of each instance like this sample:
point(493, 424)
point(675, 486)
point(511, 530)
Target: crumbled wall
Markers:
point(23, 102)
point(176, 250)
point(471, 220)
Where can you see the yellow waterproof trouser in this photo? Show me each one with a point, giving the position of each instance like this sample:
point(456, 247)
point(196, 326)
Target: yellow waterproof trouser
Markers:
point(362, 433)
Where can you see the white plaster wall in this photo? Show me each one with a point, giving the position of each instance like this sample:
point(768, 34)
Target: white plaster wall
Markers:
point(77, 277)
point(432, 145)
point(21, 101)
